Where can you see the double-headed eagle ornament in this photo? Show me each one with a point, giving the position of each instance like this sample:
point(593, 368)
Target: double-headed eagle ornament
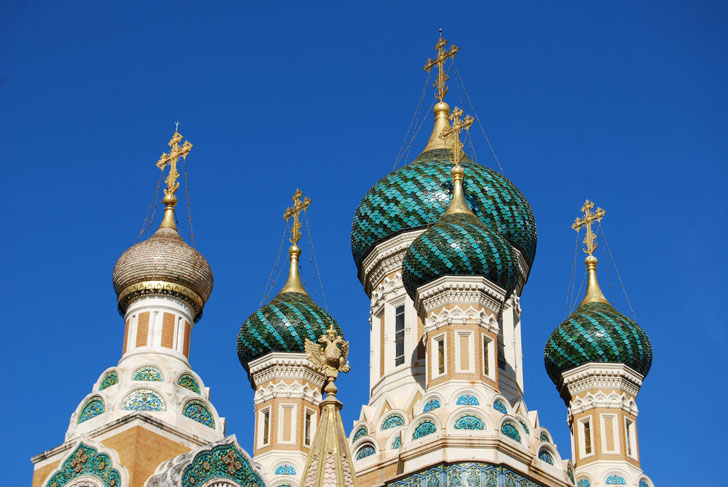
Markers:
point(330, 357)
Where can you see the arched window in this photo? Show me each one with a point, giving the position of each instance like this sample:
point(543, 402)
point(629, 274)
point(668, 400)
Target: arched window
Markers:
point(365, 451)
point(144, 400)
point(425, 428)
point(583, 482)
point(544, 437)
point(189, 382)
point(500, 407)
point(148, 374)
point(469, 422)
point(392, 421)
point(525, 426)
point(467, 400)
point(397, 443)
point(91, 409)
point(431, 405)
point(285, 469)
point(110, 379)
point(361, 432)
point(546, 457)
point(197, 411)
point(509, 429)
point(644, 483)
point(615, 479)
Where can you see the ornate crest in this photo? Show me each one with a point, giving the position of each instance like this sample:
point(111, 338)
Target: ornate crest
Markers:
point(330, 357)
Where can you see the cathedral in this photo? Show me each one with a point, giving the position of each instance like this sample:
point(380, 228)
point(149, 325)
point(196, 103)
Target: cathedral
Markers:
point(443, 247)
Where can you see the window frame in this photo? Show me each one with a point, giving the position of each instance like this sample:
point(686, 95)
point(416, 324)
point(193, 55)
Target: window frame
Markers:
point(630, 438)
point(458, 352)
point(265, 427)
point(309, 423)
point(615, 433)
point(439, 343)
point(586, 425)
point(400, 334)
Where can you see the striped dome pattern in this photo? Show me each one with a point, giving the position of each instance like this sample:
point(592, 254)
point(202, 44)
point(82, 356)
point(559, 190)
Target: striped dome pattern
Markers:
point(596, 332)
point(459, 245)
point(417, 195)
point(282, 326)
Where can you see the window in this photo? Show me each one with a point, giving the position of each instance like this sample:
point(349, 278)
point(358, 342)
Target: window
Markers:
point(307, 427)
point(629, 429)
point(399, 336)
point(486, 355)
point(265, 430)
point(585, 426)
point(501, 347)
point(439, 359)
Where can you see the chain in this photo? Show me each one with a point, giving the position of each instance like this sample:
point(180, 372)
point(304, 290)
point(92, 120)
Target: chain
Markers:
point(572, 278)
point(276, 266)
point(152, 209)
point(187, 197)
point(315, 261)
point(475, 113)
point(616, 271)
point(415, 118)
point(467, 132)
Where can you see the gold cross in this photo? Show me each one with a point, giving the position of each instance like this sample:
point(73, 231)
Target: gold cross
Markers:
point(589, 218)
point(171, 160)
point(453, 132)
point(298, 207)
point(439, 61)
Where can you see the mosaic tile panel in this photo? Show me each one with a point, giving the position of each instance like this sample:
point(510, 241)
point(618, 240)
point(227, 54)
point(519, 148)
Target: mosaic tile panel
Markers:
point(465, 474)
point(583, 482)
point(189, 382)
point(469, 422)
point(285, 469)
point(144, 400)
point(365, 451)
point(644, 483)
point(510, 430)
point(152, 374)
point(596, 332)
point(110, 379)
point(361, 432)
point(459, 245)
point(423, 429)
point(431, 405)
point(397, 443)
point(500, 407)
point(467, 400)
point(93, 408)
point(86, 460)
point(546, 457)
point(281, 326)
point(222, 462)
point(392, 421)
point(616, 480)
point(197, 411)
point(525, 426)
point(418, 194)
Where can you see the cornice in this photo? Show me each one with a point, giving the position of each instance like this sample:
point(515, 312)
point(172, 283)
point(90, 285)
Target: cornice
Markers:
point(600, 376)
point(601, 399)
point(458, 315)
point(386, 258)
point(144, 288)
point(459, 290)
point(384, 291)
point(280, 365)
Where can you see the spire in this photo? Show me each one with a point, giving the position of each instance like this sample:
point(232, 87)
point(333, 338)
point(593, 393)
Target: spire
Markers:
point(593, 292)
point(441, 109)
point(452, 134)
point(170, 200)
point(293, 283)
point(329, 462)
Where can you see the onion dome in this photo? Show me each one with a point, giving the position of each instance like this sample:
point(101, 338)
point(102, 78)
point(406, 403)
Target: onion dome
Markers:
point(292, 316)
point(163, 264)
point(459, 245)
point(416, 196)
point(596, 332)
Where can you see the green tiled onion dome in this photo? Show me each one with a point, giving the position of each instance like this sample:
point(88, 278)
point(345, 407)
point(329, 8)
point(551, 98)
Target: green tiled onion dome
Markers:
point(596, 332)
point(282, 326)
point(459, 245)
point(418, 194)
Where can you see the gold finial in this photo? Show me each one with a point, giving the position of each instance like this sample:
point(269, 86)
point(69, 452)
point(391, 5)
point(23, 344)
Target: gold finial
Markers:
point(293, 283)
point(452, 134)
point(170, 200)
point(439, 61)
point(593, 291)
point(329, 358)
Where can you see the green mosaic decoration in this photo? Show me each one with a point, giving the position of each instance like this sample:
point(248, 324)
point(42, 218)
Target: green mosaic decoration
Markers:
point(596, 332)
point(459, 245)
point(546, 457)
point(222, 462)
point(148, 374)
point(143, 400)
point(510, 430)
point(93, 408)
point(189, 382)
point(86, 460)
point(360, 433)
point(197, 411)
point(281, 326)
point(392, 421)
point(465, 474)
point(397, 443)
point(423, 429)
point(110, 379)
point(524, 425)
point(544, 437)
point(417, 195)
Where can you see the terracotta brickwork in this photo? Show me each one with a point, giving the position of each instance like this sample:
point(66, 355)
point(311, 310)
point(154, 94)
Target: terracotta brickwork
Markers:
point(142, 329)
point(168, 330)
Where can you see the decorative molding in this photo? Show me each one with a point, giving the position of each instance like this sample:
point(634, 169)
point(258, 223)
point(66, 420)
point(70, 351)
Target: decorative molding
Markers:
point(92, 463)
point(386, 258)
point(383, 293)
point(602, 399)
point(144, 288)
point(281, 365)
point(480, 316)
point(459, 290)
point(282, 389)
point(600, 376)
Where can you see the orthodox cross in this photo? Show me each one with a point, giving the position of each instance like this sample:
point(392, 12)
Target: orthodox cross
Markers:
point(589, 217)
point(439, 61)
point(171, 159)
point(298, 207)
point(453, 132)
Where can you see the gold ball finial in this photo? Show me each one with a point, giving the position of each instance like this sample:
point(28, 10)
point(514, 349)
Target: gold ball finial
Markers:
point(169, 200)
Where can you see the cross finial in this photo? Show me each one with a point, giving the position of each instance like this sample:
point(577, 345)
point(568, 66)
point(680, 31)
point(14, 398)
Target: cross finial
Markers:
point(294, 211)
point(590, 244)
point(439, 61)
point(171, 160)
point(453, 132)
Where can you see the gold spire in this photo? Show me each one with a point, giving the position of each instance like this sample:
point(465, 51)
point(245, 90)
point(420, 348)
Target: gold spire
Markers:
point(329, 462)
point(441, 109)
point(293, 283)
point(170, 200)
point(593, 291)
point(452, 133)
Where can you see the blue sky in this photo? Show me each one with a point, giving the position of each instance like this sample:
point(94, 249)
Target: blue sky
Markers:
point(620, 102)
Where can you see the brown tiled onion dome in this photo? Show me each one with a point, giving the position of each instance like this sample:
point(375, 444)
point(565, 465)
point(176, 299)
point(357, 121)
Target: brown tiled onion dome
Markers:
point(163, 264)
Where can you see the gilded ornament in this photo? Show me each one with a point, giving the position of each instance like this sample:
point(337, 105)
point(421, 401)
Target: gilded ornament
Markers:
point(329, 358)
point(439, 61)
